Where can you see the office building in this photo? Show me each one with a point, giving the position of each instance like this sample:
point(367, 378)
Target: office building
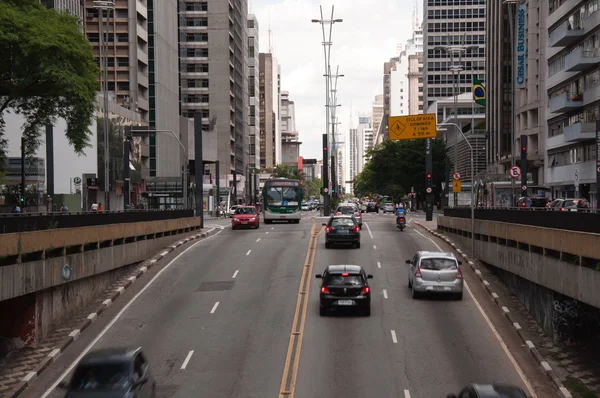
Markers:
point(573, 87)
point(253, 92)
point(290, 146)
point(309, 169)
point(531, 98)
point(415, 84)
point(269, 94)
point(354, 143)
point(364, 128)
point(452, 24)
point(399, 75)
point(214, 80)
point(73, 7)
point(378, 115)
point(340, 166)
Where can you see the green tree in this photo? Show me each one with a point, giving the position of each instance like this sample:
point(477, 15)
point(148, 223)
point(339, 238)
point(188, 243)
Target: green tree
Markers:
point(397, 166)
point(48, 71)
point(287, 171)
point(312, 187)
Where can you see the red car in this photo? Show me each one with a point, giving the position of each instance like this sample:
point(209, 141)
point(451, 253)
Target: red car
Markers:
point(245, 216)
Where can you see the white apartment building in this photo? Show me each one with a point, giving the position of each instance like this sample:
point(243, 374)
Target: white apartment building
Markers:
point(253, 93)
point(354, 143)
point(400, 86)
point(377, 113)
point(369, 141)
point(573, 87)
point(340, 157)
point(364, 128)
point(288, 118)
point(415, 84)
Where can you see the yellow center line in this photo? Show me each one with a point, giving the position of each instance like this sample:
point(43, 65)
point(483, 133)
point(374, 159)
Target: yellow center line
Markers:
point(299, 315)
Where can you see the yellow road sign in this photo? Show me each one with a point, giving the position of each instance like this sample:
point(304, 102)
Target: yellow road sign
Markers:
point(455, 186)
point(412, 126)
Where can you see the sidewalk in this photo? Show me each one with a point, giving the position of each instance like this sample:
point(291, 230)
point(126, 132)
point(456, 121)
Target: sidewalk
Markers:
point(575, 366)
point(20, 367)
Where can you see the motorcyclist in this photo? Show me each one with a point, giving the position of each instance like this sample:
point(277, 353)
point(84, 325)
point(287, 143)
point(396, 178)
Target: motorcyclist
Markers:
point(400, 212)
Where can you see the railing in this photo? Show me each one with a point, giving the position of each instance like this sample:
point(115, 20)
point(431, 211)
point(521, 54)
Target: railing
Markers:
point(582, 220)
point(26, 222)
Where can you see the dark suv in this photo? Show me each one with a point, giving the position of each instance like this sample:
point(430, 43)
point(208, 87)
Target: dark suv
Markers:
point(111, 373)
point(372, 207)
point(345, 286)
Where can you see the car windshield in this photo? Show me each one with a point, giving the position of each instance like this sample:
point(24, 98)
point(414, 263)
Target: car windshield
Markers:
point(245, 210)
point(349, 280)
point(438, 264)
point(287, 196)
point(346, 209)
point(342, 222)
point(102, 377)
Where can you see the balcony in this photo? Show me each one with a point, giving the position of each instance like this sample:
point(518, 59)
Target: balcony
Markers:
point(142, 103)
point(581, 60)
point(591, 22)
point(565, 35)
point(142, 56)
point(591, 94)
point(141, 9)
point(580, 132)
point(142, 79)
point(564, 102)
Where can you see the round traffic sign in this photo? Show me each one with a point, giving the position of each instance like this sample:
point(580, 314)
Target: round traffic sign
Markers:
point(325, 190)
point(77, 180)
point(598, 169)
point(524, 187)
point(515, 172)
point(456, 176)
point(429, 190)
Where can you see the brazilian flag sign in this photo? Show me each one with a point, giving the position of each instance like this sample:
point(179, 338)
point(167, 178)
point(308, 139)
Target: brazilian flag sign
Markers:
point(479, 93)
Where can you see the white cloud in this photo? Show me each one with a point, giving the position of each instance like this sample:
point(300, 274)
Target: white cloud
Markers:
point(361, 44)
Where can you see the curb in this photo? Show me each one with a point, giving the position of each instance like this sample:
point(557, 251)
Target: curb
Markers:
point(533, 351)
point(91, 318)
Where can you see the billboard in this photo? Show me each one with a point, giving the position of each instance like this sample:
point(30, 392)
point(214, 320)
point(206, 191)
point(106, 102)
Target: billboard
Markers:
point(521, 45)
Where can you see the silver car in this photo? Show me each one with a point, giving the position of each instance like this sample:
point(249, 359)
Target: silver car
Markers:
point(435, 272)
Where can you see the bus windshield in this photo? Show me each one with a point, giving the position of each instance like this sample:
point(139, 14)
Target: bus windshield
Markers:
point(282, 196)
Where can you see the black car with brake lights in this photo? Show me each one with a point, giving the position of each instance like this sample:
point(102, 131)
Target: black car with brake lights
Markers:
point(344, 286)
point(342, 229)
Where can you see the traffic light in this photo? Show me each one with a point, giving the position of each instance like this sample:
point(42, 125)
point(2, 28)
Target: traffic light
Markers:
point(22, 200)
point(429, 183)
point(332, 190)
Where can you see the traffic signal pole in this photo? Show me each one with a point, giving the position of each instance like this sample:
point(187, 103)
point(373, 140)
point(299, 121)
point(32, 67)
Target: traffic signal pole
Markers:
point(22, 203)
point(523, 164)
point(429, 182)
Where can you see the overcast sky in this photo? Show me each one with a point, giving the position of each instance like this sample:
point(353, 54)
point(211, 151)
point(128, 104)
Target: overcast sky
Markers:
point(361, 44)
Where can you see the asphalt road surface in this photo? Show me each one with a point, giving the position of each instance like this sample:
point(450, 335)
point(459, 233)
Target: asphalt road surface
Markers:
point(218, 323)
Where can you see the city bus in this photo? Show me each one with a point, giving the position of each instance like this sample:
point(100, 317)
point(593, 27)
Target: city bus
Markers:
point(282, 200)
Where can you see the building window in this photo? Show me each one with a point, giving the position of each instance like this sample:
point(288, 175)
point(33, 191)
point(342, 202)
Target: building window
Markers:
point(196, 68)
point(250, 24)
point(196, 37)
point(196, 21)
point(196, 52)
point(203, 6)
point(198, 83)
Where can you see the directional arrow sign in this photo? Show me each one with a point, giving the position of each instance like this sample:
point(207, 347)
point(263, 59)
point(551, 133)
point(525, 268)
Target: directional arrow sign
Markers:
point(412, 126)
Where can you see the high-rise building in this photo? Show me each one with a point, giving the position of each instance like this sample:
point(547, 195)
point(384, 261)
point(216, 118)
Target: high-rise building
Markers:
point(385, 99)
point(340, 160)
point(290, 146)
point(531, 99)
point(448, 26)
point(354, 144)
point(214, 79)
point(399, 75)
point(73, 7)
point(253, 92)
point(365, 128)
point(415, 84)
point(378, 115)
point(573, 91)
point(270, 133)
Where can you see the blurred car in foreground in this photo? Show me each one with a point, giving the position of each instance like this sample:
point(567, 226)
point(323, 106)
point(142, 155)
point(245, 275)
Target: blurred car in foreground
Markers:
point(435, 272)
point(344, 286)
point(490, 391)
point(388, 208)
point(111, 373)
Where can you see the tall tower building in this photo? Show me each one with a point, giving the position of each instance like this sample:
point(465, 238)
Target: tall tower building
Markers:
point(378, 115)
point(269, 108)
point(253, 92)
point(353, 153)
point(402, 82)
point(214, 78)
point(447, 24)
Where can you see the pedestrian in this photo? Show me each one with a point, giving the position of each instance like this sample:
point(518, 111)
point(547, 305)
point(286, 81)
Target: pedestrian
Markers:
point(99, 206)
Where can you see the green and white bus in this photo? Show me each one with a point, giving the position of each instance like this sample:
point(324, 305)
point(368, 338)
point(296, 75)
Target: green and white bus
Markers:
point(282, 200)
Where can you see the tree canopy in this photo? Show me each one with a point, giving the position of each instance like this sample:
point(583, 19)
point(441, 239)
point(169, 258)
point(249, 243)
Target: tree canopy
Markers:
point(396, 166)
point(287, 171)
point(47, 71)
point(312, 187)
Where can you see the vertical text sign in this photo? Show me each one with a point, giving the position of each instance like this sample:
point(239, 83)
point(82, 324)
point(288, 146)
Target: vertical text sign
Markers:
point(521, 44)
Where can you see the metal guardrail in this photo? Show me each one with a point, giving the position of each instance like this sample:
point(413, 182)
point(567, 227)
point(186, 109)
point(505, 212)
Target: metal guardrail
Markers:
point(583, 220)
point(27, 222)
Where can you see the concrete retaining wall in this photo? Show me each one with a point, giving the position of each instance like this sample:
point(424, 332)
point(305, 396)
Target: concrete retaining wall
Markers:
point(572, 280)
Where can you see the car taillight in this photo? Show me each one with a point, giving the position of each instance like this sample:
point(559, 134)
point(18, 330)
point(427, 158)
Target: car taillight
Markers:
point(324, 290)
point(402, 219)
point(418, 273)
point(459, 274)
point(355, 229)
point(329, 229)
point(337, 213)
point(358, 214)
point(366, 290)
point(523, 204)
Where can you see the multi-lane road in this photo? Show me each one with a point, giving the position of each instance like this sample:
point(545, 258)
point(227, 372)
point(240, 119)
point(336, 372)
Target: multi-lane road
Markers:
point(236, 315)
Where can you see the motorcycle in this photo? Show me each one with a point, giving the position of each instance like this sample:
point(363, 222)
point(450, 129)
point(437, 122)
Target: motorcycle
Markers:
point(400, 223)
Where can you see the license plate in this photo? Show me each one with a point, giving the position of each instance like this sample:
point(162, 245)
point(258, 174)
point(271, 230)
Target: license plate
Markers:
point(244, 222)
point(445, 288)
point(342, 231)
point(345, 302)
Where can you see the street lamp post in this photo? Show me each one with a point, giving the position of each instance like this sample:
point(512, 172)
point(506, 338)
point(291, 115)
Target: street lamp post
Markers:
point(333, 107)
point(107, 5)
point(327, 54)
point(472, 183)
point(455, 51)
